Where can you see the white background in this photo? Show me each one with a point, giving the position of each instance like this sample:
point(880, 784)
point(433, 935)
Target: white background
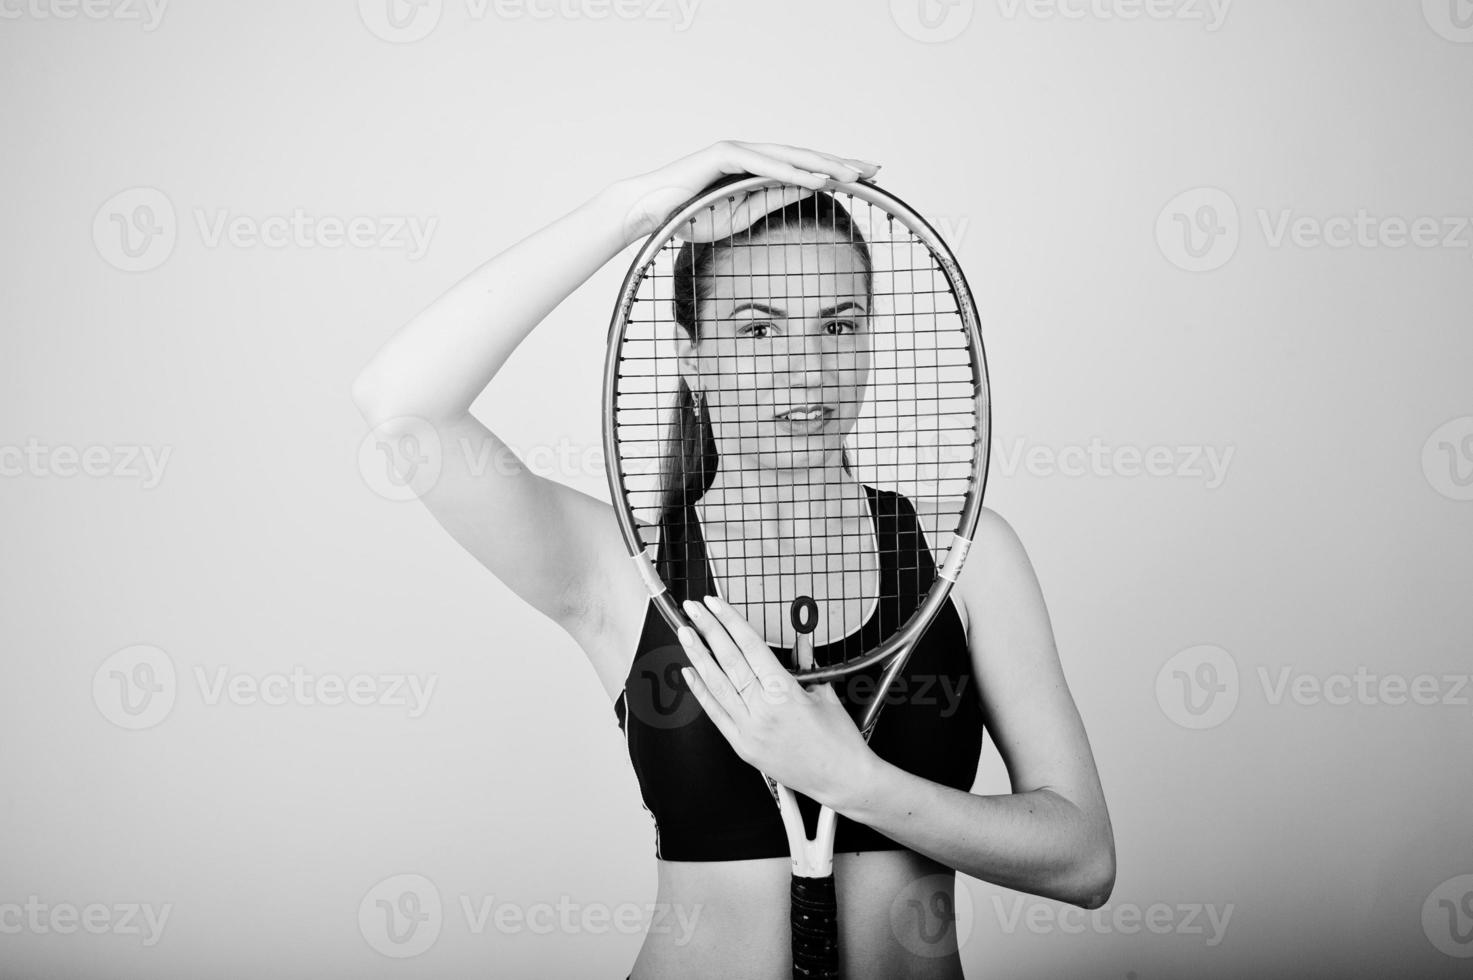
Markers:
point(1050, 144)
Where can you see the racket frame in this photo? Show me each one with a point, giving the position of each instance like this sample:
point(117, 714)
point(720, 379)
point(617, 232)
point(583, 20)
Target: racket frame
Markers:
point(812, 858)
point(894, 646)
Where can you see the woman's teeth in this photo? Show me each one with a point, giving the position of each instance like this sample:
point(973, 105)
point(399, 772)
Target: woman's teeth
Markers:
point(803, 415)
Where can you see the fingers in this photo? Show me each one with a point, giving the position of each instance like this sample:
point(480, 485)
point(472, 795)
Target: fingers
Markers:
point(713, 706)
point(803, 651)
point(844, 169)
point(763, 165)
point(794, 164)
point(764, 201)
point(715, 682)
point(730, 658)
point(751, 647)
point(803, 171)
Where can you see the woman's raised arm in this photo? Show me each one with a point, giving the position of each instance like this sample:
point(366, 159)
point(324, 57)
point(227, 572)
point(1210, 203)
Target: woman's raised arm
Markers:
point(555, 547)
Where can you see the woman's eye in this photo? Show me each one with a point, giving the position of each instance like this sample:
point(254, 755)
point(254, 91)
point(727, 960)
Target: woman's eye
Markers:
point(843, 326)
point(759, 330)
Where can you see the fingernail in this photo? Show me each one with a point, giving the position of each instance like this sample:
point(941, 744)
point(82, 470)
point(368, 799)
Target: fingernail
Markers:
point(686, 635)
point(692, 608)
point(712, 601)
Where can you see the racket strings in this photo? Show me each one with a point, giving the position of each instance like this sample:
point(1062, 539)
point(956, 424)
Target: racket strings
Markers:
point(899, 390)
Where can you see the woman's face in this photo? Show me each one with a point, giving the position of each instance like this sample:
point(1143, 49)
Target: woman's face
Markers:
point(784, 354)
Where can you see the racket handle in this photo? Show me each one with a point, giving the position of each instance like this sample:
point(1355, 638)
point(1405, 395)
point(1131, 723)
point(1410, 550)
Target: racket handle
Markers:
point(815, 929)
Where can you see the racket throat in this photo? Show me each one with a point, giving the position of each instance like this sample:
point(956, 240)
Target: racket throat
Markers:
point(812, 857)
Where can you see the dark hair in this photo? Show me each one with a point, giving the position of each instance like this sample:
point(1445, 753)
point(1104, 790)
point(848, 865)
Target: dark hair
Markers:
point(691, 460)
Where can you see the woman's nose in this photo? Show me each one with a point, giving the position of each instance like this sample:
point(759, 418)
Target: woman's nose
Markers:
point(808, 355)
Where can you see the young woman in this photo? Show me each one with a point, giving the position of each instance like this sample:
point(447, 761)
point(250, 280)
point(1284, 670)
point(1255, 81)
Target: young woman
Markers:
point(908, 818)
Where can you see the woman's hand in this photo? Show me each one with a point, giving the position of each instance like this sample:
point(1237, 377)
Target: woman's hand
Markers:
point(802, 738)
point(653, 196)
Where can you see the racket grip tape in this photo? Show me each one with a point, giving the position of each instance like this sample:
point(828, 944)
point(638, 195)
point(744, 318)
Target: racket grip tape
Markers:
point(815, 922)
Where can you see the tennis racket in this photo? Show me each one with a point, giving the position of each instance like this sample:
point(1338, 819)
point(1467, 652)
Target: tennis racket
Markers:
point(774, 393)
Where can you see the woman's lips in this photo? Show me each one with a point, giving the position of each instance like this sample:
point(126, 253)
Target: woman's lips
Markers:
point(805, 419)
point(806, 413)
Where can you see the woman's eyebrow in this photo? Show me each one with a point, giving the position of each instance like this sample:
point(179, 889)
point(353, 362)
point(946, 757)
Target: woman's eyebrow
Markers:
point(760, 307)
point(774, 311)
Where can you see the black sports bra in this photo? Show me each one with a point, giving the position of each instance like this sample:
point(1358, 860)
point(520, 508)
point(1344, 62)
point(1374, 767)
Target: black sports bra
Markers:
point(709, 805)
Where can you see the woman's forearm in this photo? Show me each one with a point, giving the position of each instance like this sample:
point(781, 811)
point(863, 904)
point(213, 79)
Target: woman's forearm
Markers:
point(1037, 842)
point(439, 363)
